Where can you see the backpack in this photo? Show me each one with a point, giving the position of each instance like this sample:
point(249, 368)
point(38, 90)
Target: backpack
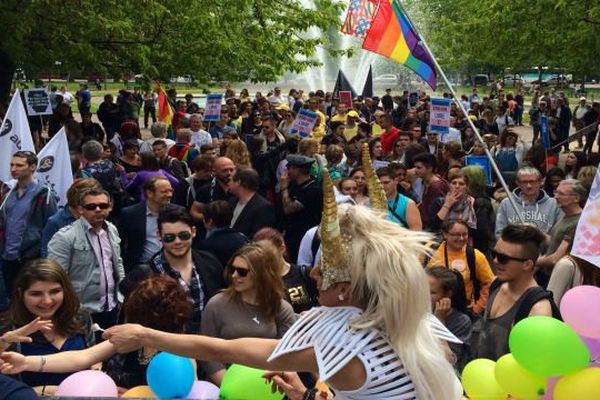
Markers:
point(531, 298)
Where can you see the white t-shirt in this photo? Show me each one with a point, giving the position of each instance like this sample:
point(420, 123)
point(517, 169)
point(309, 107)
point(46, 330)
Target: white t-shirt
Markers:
point(200, 138)
point(67, 97)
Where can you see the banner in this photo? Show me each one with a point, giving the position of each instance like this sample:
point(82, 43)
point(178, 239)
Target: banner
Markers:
point(413, 99)
point(483, 162)
point(439, 116)
point(304, 123)
point(586, 244)
point(346, 98)
point(38, 102)
point(545, 132)
point(15, 135)
point(54, 166)
point(212, 112)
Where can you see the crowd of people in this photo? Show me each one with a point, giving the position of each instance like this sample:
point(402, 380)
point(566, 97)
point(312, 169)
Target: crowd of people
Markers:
point(212, 229)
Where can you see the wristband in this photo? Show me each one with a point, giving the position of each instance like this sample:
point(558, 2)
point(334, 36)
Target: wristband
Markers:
point(42, 363)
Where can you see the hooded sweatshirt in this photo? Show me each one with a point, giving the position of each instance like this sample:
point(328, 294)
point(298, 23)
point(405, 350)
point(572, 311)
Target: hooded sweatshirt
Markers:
point(543, 213)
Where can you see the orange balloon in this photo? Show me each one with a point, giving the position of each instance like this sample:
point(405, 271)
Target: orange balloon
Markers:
point(139, 391)
point(322, 387)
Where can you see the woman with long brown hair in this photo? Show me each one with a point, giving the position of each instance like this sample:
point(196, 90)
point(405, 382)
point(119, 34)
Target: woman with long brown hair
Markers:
point(569, 272)
point(237, 151)
point(253, 304)
point(43, 290)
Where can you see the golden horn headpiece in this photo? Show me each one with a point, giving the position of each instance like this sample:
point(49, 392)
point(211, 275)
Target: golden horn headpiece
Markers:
point(377, 197)
point(334, 261)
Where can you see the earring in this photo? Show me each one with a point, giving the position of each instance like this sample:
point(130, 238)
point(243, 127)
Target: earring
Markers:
point(340, 297)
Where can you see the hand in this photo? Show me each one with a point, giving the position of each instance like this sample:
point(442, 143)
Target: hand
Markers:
point(131, 175)
point(119, 168)
point(442, 308)
point(21, 335)
point(284, 181)
point(451, 198)
point(12, 363)
point(125, 338)
point(286, 382)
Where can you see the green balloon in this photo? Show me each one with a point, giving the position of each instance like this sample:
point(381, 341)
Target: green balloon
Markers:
point(479, 381)
point(517, 381)
point(547, 346)
point(245, 383)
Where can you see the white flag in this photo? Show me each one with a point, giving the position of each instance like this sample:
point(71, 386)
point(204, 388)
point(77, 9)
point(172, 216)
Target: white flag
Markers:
point(587, 236)
point(15, 135)
point(54, 166)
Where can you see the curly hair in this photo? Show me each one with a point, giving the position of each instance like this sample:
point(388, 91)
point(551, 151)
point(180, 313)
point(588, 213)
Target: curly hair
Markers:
point(237, 151)
point(159, 302)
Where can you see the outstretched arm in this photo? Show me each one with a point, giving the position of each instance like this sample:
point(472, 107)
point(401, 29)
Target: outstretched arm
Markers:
point(248, 351)
point(66, 361)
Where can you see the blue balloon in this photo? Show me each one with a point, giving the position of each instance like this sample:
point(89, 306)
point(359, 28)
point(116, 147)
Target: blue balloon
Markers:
point(170, 376)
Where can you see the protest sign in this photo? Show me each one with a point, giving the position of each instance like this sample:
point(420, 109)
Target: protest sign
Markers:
point(346, 98)
point(38, 102)
point(212, 111)
point(378, 164)
point(483, 162)
point(15, 135)
point(304, 123)
point(54, 166)
point(413, 99)
point(545, 132)
point(439, 116)
point(587, 236)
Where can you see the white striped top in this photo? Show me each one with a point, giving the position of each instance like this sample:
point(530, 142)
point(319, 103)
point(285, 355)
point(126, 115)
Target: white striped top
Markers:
point(326, 329)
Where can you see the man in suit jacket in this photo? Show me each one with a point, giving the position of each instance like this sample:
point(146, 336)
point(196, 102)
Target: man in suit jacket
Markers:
point(221, 240)
point(251, 211)
point(138, 227)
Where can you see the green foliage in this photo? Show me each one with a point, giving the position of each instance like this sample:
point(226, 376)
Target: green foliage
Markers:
point(490, 35)
point(208, 39)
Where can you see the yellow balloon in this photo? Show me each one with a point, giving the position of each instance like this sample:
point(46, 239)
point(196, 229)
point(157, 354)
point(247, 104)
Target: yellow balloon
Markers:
point(582, 384)
point(517, 381)
point(479, 381)
point(139, 391)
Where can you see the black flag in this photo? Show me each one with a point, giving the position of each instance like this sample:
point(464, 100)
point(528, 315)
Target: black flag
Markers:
point(342, 84)
point(368, 87)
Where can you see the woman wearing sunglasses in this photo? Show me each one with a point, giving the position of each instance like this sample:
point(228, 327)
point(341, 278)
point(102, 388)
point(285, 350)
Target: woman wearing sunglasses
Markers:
point(456, 253)
point(252, 305)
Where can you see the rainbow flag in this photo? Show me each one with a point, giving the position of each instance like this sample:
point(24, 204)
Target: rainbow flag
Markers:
point(165, 111)
point(391, 35)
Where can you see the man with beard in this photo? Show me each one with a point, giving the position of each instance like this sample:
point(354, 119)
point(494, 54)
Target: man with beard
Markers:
point(217, 189)
point(198, 272)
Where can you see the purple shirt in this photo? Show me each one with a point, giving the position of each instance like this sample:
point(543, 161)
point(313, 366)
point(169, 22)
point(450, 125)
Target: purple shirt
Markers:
point(103, 252)
point(135, 185)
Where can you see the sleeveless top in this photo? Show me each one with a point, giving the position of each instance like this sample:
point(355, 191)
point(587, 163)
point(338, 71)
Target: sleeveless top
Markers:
point(493, 339)
point(326, 329)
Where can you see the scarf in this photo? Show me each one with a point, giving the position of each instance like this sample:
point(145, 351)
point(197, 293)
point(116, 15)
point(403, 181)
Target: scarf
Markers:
point(463, 210)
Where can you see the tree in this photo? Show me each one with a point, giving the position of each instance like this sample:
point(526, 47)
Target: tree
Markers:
point(209, 39)
point(477, 35)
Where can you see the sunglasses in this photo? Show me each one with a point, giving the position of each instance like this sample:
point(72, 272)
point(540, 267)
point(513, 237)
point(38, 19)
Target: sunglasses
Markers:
point(93, 206)
point(242, 272)
point(170, 237)
point(503, 258)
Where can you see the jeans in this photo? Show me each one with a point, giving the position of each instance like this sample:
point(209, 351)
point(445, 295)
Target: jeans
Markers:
point(3, 294)
point(149, 111)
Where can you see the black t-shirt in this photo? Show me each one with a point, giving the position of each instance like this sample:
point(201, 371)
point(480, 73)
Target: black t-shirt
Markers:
point(212, 192)
point(300, 290)
point(310, 195)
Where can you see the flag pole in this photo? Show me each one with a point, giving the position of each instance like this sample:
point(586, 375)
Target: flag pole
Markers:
point(471, 124)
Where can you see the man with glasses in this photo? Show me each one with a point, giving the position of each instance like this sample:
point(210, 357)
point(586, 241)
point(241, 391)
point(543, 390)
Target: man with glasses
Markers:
point(535, 206)
point(89, 252)
point(24, 211)
point(198, 272)
point(515, 294)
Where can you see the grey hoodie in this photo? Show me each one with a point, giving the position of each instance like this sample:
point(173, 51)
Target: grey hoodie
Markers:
point(543, 213)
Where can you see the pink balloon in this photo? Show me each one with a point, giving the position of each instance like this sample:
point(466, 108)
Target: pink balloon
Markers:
point(579, 310)
point(550, 388)
point(202, 390)
point(593, 345)
point(88, 384)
